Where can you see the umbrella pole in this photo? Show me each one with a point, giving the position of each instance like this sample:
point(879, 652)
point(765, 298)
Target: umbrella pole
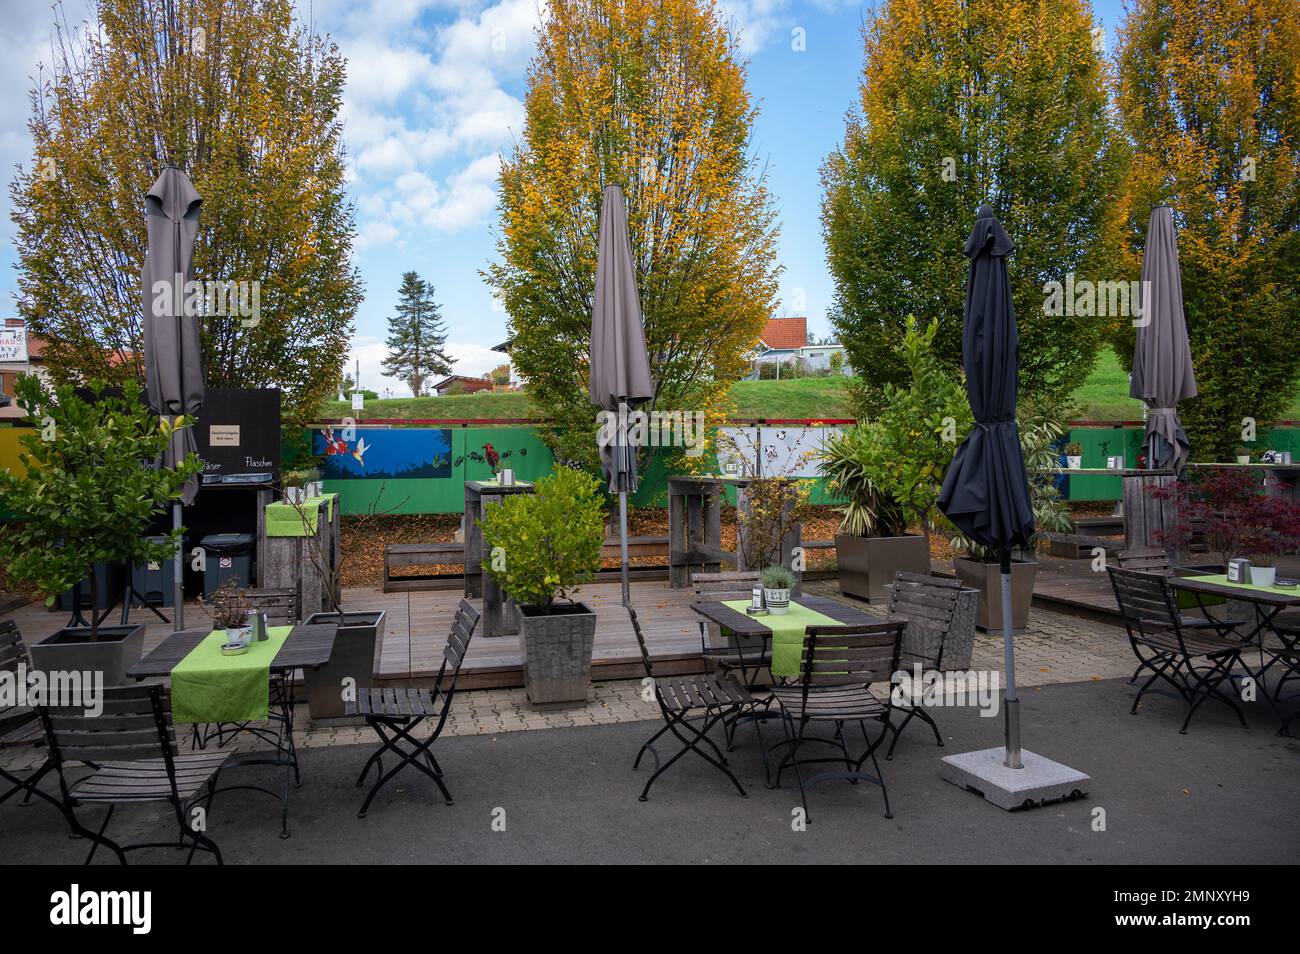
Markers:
point(178, 574)
point(622, 537)
point(1011, 702)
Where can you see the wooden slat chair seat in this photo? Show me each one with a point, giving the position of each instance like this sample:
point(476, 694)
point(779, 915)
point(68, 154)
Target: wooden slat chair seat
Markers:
point(708, 697)
point(131, 748)
point(19, 725)
point(749, 656)
point(280, 603)
point(926, 606)
point(1193, 662)
point(394, 713)
point(838, 666)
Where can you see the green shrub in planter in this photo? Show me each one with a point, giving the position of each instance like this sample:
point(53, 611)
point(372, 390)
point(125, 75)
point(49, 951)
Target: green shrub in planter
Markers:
point(539, 547)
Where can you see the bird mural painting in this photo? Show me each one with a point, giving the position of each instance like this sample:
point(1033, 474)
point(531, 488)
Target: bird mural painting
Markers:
point(492, 457)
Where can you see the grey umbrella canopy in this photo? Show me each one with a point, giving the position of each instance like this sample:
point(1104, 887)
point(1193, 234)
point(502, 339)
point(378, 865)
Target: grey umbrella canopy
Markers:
point(1162, 358)
point(620, 368)
point(986, 489)
point(173, 359)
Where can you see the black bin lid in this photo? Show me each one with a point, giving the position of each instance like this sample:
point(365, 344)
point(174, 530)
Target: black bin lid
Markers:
point(227, 542)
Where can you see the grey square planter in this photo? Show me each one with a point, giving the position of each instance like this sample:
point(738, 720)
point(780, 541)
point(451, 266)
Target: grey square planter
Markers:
point(868, 564)
point(353, 658)
point(986, 577)
point(556, 650)
point(923, 637)
point(70, 650)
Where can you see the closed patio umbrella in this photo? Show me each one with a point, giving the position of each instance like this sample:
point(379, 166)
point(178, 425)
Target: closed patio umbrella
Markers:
point(1162, 359)
point(620, 368)
point(173, 357)
point(986, 495)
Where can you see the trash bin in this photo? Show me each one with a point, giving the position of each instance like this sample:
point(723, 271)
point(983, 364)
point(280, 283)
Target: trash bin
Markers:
point(153, 580)
point(108, 577)
point(228, 556)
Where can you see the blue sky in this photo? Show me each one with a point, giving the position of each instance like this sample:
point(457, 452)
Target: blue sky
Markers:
point(435, 96)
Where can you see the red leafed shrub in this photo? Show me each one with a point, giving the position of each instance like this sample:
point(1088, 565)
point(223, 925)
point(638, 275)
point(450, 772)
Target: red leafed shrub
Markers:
point(1229, 508)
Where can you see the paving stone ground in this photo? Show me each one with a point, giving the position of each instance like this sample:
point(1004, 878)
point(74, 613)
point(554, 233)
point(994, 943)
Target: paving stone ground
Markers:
point(1055, 649)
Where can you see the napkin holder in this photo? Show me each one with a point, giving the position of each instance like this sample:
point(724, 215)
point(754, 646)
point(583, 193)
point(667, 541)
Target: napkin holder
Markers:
point(1239, 570)
point(256, 626)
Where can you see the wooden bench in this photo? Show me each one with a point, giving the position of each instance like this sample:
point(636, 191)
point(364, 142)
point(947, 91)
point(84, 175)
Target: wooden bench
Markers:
point(636, 547)
point(1079, 546)
point(280, 603)
point(418, 554)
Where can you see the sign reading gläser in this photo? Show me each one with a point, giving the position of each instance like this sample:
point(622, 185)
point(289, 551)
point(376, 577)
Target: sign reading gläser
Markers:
point(238, 433)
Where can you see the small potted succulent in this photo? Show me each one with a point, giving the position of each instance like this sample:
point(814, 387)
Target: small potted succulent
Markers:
point(1263, 568)
point(1074, 455)
point(229, 608)
point(777, 583)
point(1243, 455)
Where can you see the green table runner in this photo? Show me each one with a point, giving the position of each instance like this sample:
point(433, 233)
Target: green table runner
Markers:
point(210, 687)
point(284, 520)
point(1222, 580)
point(496, 482)
point(787, 634)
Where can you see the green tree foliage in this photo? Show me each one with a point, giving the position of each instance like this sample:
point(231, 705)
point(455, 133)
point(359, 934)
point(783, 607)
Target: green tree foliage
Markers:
point(1209, 98)
point(649, 95)
point(86, 492)
point(246, 100)
point(416, 337)
point(966, 101)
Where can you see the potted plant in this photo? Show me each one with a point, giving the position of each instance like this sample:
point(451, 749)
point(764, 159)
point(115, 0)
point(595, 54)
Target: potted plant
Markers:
point(228, 607)
point(1074, 455)
point(980, 567)
point(889, 469)
point(777, 583)
point(301, 483)
point(87, 492)
point(539, 548)
point(1243, 455)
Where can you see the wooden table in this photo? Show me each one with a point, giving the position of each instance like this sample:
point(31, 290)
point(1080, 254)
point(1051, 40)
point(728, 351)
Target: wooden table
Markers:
point(306, 647)
point(742, 624)
point(498, 616)
point(695, 526)
point(1267, 604)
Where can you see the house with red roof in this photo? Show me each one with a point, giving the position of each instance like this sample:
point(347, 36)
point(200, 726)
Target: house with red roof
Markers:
point(785, 340)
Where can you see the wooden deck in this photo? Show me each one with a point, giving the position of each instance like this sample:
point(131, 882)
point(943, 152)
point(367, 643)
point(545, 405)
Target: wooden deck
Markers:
point(417, 624)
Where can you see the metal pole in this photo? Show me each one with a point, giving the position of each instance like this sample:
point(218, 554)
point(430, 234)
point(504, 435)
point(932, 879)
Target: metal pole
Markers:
point(178, 572)
point(1011, 703)
point(622, 537)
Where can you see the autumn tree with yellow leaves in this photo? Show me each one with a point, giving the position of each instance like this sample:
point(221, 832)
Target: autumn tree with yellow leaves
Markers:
point(244, 99)
point(1209, 99)
point(649, 95)
point(964, 102)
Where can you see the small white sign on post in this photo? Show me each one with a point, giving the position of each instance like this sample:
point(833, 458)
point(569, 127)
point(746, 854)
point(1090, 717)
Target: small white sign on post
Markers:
point(358, 401)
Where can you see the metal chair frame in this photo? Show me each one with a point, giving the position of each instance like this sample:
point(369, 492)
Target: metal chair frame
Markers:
point(394, 714)
point(839, 664)
point(1158, 634)
point(126, 743)
point(684, 700)
point(20, 726)
point(947, 593)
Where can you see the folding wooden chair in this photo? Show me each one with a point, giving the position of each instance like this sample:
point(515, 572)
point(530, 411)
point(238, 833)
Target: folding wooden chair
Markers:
point(1195, 660)
point(926, 605)
point(839, 664)
point(131, 749)
point(706, 696)
point(394, 714)
point(19, 725)
point(747, 655)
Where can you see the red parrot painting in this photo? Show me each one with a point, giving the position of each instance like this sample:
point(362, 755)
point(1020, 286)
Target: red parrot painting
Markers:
point(492, 457)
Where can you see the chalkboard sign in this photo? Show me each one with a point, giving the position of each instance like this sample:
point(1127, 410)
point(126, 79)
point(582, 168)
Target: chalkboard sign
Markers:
point(238, 433)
